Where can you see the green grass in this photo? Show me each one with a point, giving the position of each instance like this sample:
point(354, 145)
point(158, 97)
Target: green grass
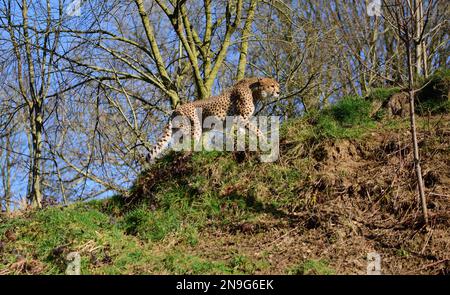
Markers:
point(107, 246)
point(183, 264)
point(245, 265)
point(351, 111)
point(349, 118)
point(50, 234)
point(311, 267)
point(151, 225)
point(177, 262)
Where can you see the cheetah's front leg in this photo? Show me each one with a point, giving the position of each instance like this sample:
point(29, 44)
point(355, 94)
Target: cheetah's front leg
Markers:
point(252, 128)
point(247, 123)
point(197, 134)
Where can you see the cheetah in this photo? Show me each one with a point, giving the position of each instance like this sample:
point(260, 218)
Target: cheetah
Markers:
point(237, 101)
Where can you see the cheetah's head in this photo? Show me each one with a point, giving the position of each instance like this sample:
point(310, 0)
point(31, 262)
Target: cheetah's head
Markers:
point(267, 87)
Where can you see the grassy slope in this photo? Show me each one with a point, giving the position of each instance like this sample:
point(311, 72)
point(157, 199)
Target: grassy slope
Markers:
point(343, 187)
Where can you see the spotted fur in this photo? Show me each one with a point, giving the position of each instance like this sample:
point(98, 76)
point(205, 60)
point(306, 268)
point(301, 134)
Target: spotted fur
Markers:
point(235, 101)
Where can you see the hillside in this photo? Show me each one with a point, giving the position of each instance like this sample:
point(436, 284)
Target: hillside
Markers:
point(344, 186)
point(92, 93)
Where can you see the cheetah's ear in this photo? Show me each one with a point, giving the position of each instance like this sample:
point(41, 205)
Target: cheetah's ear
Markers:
point(256, 84)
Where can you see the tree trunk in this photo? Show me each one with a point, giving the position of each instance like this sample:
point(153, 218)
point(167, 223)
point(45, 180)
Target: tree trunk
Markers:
point(6, 175)
point(399, 61)
point(424, 59)
point(418, 19)
point(417, 167)
point(373, 54)
point(36, 133)
point(245, 36)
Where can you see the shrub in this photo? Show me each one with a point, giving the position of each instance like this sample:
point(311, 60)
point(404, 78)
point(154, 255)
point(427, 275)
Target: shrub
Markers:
point(351, 110)
point(433, 94)
point(347, 118)
point(382, 94)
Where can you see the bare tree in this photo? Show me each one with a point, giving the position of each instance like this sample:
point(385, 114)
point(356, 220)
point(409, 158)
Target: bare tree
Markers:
point(409, 21)
point(204, 41)
point(5, 172)
point(33, 39)
point(129, 75)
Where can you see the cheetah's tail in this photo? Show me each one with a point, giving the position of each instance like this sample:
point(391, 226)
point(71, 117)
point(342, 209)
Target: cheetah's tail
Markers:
point(161, 145)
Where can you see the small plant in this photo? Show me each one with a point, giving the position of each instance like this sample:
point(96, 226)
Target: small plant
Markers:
point(402, 253)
